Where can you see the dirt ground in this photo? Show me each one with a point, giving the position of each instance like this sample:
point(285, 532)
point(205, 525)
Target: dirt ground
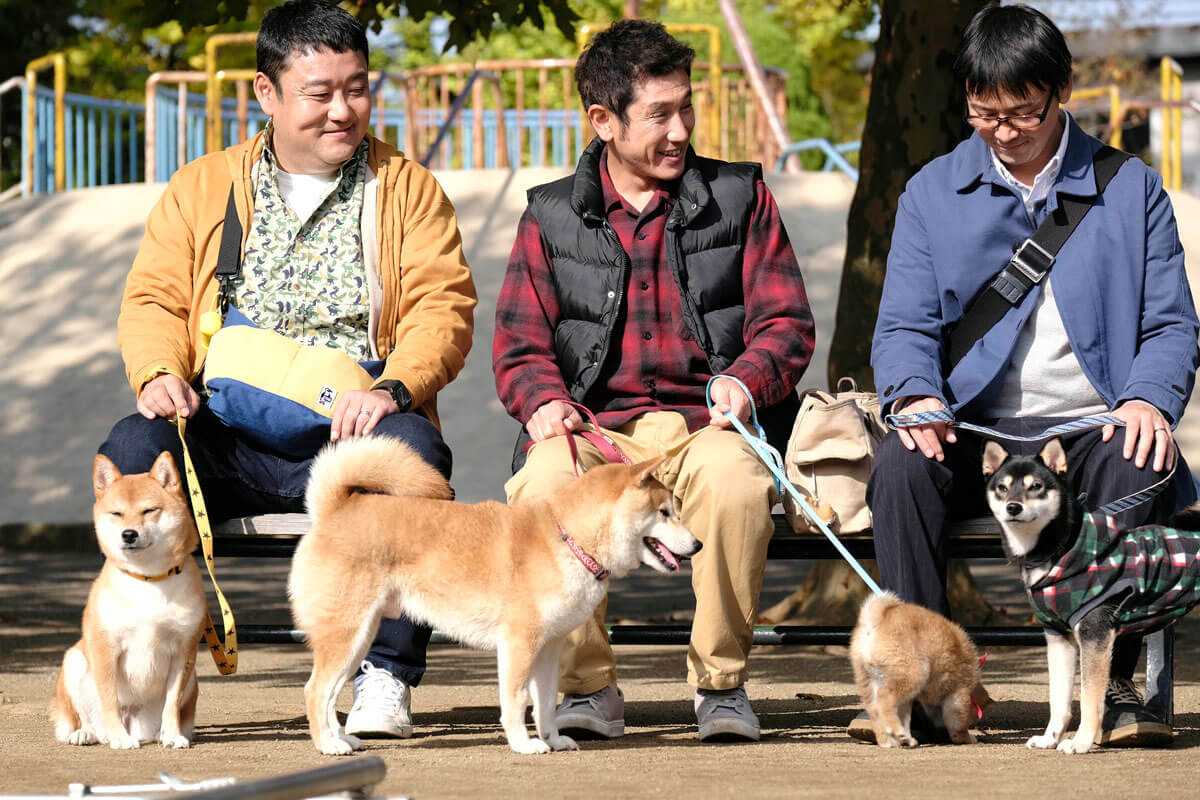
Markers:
point(251, 725)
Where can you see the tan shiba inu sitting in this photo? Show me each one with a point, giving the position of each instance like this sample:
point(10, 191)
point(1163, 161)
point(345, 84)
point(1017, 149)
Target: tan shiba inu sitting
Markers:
point(131, 678)
point(516, 579)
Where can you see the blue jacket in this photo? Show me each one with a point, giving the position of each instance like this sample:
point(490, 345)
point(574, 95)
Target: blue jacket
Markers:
point(1119, 283)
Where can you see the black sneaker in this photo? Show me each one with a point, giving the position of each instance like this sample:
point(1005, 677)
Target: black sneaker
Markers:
point(1126, 721)
point(922, 728)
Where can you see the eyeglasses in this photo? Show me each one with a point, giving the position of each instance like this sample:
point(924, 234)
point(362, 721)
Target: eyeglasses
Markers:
point(1024, 122)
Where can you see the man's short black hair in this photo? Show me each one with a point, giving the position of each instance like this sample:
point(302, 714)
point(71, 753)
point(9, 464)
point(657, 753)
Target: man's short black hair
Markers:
point(301, 27)
point(1012, 49)
point(624, 55)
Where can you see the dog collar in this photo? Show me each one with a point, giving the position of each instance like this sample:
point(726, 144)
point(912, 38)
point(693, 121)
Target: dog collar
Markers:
point(175, 570)
point(591, 564)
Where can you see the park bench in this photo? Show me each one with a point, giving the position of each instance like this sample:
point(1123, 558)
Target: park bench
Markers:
point(276, 535)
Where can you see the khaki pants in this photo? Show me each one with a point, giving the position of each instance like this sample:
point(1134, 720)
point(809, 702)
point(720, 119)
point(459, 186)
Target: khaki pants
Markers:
point(724, 495)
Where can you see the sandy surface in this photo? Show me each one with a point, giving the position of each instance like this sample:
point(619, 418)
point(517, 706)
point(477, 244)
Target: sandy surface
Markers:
point(251, 724)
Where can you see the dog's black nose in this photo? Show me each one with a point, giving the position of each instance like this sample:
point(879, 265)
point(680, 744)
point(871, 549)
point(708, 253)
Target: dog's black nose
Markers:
point(129, 536)
point(1013, 509)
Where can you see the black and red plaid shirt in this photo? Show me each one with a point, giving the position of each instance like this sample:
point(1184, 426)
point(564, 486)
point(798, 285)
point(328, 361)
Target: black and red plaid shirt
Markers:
point(653, 363)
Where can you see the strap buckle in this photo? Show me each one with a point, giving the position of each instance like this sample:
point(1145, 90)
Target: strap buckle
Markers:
point(1032, 260)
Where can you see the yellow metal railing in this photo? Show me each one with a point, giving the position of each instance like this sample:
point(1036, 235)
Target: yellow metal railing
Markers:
point(1172, 129)
point(212, 117)
point(712, 104)
point(1115, 110)
point(59, 62)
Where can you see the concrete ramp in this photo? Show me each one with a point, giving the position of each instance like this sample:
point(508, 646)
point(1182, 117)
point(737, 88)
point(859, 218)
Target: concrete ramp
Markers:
point(63, 261)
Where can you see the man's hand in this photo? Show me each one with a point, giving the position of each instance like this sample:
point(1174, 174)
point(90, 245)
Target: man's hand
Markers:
point(555, 418)
point(727, 396)
point(168, 396)
point(357, 412)
point(1145, 427)
point(928, 438)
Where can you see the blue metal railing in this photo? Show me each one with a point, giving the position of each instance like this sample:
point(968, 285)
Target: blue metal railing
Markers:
point(834, 155)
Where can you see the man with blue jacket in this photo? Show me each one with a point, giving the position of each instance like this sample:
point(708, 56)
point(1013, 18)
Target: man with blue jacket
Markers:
point(1110, 329)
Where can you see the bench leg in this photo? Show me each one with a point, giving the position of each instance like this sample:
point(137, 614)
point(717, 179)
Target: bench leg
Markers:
point(1160, 674)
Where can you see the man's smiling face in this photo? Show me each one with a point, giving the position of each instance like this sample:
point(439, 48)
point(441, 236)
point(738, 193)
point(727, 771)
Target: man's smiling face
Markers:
point(320, 110)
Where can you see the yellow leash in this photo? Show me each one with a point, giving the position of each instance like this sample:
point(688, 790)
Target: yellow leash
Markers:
point(224, 654)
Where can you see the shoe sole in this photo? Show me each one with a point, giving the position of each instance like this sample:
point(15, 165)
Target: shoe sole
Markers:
point(579, 726)
point(402, 733)
point(730, 730)
point(862, 730)
point(1139, 734)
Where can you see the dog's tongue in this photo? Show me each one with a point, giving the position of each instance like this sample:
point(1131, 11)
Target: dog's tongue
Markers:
point(665, 554)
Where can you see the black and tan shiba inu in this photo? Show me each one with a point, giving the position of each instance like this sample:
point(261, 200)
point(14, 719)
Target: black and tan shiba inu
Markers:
point(1087, 580)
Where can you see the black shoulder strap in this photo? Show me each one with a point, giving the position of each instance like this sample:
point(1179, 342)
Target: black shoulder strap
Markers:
point(1031, 261)
point(229, 255)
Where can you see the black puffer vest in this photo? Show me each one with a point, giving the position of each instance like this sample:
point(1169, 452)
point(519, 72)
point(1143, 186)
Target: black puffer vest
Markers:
point(706, 233)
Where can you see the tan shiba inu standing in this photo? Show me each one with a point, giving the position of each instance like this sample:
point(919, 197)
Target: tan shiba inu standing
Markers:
point(515, 579)
point(904, 654)
point(131, 678)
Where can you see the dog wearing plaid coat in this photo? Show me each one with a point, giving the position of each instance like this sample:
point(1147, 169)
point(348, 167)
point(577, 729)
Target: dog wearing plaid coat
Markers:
point(1087, 579)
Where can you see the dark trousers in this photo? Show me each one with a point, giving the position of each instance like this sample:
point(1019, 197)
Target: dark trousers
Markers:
point(242, 478)
point(912, 498)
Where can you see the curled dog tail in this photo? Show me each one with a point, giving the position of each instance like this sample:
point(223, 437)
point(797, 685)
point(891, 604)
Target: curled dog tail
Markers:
point(874, 607)
point(1187, 519)
point(372, 464)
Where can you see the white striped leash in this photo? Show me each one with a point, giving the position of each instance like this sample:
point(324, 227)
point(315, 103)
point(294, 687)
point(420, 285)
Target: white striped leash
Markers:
point(898, 421)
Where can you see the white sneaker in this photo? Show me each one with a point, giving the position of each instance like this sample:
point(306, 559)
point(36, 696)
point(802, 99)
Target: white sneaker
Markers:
point(381, 705)
point(725, 715)
point(600, 713)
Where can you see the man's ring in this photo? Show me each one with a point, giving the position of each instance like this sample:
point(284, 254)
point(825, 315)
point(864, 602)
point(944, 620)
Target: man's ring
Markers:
point(365, 413)
point(1159, 428)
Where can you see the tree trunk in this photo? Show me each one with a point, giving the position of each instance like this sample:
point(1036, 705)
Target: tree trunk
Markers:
point(832, 594)
point(915, 114)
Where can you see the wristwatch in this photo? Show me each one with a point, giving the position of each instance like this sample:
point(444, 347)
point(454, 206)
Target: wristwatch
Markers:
point(399, 393)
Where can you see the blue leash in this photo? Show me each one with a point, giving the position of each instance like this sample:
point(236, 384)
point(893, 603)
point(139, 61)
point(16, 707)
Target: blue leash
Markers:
point(897, 421)
point(770, 456)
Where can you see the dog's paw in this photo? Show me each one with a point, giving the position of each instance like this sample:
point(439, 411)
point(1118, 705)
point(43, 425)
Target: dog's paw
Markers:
point(176, 741)
point(1042, 742)
point(560, 742)
point(123, 741)
point(80, 737)
point(1075, 746)
point(335, 745)
point(530, 747)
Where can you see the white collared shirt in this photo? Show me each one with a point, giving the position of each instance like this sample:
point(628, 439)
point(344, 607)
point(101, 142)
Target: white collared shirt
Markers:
point(1044, 378)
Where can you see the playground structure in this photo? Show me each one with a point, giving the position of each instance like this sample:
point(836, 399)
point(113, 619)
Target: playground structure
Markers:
point(482, 115)
point(486, 114)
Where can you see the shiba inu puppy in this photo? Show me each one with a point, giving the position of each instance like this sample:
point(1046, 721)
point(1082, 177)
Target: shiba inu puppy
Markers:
point(131, 678)
point(902, 653)
point(386, 539)
point(1087, 579)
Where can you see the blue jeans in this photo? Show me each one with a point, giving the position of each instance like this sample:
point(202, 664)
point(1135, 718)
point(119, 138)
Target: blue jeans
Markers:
point(242, 478)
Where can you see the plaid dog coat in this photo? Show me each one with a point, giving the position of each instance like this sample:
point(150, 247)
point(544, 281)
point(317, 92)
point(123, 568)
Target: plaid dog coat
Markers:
point(1152, 572)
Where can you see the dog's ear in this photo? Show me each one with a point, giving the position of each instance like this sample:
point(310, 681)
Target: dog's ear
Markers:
point(993, 456)
point(164, 471)
point(644, 471)
point(104, 474)
point(1054, 456)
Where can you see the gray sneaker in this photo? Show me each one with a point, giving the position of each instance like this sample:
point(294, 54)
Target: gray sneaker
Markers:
point(725, 716)
point(381, 705)
point(599, 714)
